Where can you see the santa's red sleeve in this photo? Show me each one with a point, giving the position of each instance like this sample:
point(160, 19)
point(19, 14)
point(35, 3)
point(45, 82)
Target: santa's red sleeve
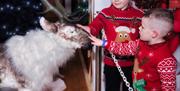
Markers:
point(177, 20)
point(173, 41)
point(174, 38)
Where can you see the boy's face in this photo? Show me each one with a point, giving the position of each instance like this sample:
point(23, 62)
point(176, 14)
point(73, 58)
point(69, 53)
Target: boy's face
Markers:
point(145, 30)
point(120, 4)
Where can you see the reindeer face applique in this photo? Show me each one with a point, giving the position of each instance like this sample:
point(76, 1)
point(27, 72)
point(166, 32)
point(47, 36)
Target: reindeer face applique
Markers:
point(123, 33)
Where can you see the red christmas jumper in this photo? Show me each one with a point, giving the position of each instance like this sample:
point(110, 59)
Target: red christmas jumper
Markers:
point(156, 61)
point(110, 19)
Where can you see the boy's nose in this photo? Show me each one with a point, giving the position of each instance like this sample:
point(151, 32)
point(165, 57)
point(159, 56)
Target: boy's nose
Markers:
point(140, 28)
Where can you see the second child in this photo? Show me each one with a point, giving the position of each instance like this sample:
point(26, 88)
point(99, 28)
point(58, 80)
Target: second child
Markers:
point(154, 62)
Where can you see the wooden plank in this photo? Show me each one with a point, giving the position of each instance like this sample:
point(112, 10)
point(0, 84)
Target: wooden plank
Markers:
point(74, 75)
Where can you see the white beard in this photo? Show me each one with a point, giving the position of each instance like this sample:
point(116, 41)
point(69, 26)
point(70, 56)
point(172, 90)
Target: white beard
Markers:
point(37, 56)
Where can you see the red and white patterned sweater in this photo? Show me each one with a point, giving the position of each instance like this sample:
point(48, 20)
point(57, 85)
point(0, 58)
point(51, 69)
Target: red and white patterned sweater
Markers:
point(119, 25)
point(156, 62)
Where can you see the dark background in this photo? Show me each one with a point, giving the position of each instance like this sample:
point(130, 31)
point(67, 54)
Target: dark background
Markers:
point(17, 17)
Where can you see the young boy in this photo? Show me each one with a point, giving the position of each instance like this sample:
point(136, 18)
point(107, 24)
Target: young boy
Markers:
point(155, 63)
point(120, 15)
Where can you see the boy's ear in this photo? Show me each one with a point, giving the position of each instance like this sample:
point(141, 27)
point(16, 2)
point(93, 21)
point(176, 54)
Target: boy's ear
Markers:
point(154, 34)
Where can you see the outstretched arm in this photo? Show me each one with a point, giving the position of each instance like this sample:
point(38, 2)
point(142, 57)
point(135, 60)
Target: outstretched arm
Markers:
point(118, 48)
point(96, 41)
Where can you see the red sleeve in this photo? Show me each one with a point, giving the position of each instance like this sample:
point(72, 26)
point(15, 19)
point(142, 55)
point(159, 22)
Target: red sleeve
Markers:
point(173, 41)
point(119, 48)
point(96, 25)
point(177, 20)
point(167, 71)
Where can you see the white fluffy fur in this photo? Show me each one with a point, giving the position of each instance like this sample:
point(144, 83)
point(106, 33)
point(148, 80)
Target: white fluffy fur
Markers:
point(37, 57)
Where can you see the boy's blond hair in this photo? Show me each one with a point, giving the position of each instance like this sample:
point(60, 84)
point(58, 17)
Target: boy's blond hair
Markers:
point(160, 20)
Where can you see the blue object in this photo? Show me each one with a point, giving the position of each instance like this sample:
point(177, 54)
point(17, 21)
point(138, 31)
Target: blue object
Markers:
point(104, 42)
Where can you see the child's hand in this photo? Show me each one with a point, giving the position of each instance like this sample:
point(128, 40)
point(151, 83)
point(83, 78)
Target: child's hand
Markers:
point(95, 41)
point(86, 28)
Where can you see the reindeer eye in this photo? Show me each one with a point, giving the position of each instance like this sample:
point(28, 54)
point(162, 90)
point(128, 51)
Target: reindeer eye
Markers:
point(120, 35)
point(71, 31)
point(125, 35)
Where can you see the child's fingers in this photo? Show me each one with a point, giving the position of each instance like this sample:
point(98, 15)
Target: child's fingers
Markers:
point(81, 26)
point(78, 25)
point(92, 38)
